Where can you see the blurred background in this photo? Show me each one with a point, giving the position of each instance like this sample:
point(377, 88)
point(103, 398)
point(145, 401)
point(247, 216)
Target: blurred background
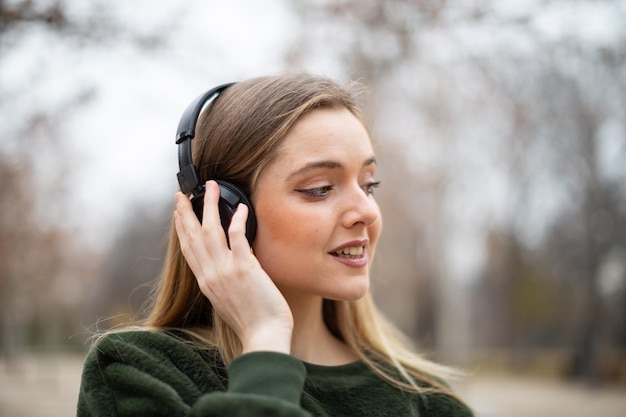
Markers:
point(500, 129)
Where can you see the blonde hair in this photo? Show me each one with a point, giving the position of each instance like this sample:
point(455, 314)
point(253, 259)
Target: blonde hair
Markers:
point(236, 137)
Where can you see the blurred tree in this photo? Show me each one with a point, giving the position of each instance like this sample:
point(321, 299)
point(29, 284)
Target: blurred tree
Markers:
point(380, 44)
point(43, 267)
point(13, 242)
point(565, 109)
point(559, 134)
point(35, 268)
point(14, 13)
point(132, 264)
point(510, 119)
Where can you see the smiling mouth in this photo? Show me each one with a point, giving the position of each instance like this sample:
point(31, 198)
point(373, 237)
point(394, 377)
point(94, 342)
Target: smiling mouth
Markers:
point(352, 252)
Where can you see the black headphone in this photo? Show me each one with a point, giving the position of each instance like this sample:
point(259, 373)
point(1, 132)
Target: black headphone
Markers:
point(189, 179)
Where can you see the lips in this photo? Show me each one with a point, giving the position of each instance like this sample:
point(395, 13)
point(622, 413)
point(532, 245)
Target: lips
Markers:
point(351, 253)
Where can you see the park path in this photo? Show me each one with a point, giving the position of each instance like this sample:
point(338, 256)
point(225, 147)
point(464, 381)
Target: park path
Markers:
point(508, 396)
point(40, 386)
point(47, 386)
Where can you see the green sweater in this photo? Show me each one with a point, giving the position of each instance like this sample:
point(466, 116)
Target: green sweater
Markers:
point(143, 373)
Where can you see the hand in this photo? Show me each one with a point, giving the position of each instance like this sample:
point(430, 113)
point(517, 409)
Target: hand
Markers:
point(232, 279)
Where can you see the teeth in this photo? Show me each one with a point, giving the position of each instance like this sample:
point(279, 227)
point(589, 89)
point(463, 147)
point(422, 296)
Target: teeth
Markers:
point(351, 251)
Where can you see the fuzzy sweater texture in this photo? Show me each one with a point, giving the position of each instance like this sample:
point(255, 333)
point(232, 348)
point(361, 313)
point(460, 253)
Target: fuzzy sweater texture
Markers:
point(145, 373)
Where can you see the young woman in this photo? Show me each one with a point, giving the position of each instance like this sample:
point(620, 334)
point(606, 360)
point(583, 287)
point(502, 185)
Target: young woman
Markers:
point(284, 326)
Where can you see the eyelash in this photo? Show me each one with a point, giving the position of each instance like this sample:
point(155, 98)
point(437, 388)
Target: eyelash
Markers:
point(322, 192)
point(369, 187)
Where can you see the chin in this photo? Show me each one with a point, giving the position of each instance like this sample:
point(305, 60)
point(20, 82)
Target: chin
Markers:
point(353, 292)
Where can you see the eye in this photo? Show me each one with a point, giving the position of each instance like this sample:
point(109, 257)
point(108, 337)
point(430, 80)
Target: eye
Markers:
point(315, 193)
point(370, 186)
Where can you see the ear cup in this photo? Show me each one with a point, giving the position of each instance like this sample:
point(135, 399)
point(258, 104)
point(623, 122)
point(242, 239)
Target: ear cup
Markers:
point(230, 197)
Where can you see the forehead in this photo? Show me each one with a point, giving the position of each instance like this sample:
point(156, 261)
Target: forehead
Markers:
point(325, 134)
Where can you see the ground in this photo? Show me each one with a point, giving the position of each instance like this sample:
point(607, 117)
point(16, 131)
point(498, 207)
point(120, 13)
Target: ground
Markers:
point(47, 386)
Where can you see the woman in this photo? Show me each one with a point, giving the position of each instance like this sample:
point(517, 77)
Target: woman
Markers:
point(284, 326)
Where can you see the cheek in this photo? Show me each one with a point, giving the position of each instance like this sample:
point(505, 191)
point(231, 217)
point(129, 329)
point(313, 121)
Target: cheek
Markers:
point(376, 230)
point(378, 225)
point(281, 223)
point(283, 232)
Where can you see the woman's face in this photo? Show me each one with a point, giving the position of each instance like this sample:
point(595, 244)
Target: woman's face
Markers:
point(318, 222)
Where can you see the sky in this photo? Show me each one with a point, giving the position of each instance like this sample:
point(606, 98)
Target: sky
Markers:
point(121, 141)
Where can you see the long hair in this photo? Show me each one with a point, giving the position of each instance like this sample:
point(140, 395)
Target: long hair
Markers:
point(238, 134)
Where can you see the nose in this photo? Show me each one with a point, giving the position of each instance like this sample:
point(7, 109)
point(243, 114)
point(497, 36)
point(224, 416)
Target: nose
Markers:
point(359, 208)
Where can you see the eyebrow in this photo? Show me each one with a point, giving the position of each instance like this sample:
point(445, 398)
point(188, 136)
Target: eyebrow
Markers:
point(327, 164)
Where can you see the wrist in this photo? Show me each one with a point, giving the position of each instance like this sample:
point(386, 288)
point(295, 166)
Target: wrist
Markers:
point(268, 339)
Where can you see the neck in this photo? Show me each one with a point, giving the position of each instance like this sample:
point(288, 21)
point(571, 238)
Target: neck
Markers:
point(312, 342)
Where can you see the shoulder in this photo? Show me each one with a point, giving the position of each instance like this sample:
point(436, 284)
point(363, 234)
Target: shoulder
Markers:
point(127, 341)
point(140, 344)
point(149, 352)
point(147, 373)
point(130, 345)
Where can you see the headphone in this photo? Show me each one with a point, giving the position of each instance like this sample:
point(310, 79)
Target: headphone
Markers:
point(189, 179)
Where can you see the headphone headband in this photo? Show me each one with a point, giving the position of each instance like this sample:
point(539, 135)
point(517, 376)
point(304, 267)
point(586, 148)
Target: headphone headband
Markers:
point(188, 177)
point(187, 125)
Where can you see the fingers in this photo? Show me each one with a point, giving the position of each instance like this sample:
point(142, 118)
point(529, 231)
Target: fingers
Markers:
point(237, 231)
point(210, 212)
point(186, 223)
point(197, 243)
point(209, 235)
